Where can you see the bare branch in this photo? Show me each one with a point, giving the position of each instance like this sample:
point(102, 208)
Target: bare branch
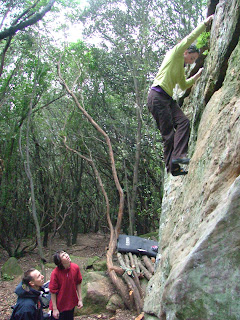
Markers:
point(99, 129)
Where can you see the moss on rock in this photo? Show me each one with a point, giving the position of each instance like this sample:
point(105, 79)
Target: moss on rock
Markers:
point(11, 268)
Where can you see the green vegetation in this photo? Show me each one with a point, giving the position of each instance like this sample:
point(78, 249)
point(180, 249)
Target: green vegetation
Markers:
point(151, 235)
point(203, 42)
point(6, 277)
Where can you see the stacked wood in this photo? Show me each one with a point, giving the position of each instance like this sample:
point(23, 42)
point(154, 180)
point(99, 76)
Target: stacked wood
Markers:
point(132, 268)
point(131, 284)
point(137, 265)
point(134, 273)
point(148, 264)
point(145, 271)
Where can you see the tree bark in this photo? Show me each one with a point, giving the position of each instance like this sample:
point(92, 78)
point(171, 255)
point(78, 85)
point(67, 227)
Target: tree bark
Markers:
point(137, 265)
point(139, 108)
point(145, 271)
point(135, 276)
point(135, 172)
point(148, 264)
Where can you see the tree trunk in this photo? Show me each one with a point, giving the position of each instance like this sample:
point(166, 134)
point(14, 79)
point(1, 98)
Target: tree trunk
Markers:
point(75, 226)
point(45, 238)
point(29, 175)
point(33, 201)
point(114, 232)
point(135, 173)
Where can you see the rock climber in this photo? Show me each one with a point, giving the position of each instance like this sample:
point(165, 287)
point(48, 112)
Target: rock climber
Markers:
point(174, 126)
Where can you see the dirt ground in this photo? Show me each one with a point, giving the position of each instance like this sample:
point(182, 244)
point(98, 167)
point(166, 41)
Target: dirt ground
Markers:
point(88, 245)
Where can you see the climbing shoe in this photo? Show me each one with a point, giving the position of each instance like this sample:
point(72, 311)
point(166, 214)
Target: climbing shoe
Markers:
point(179, 172)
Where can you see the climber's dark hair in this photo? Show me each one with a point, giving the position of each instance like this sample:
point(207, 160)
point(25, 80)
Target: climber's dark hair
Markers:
point(27, 277)
point(193, 49)
point(57, 259)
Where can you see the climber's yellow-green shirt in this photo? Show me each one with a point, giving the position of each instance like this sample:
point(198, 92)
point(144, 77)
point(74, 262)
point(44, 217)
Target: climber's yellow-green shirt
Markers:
point(172, 71)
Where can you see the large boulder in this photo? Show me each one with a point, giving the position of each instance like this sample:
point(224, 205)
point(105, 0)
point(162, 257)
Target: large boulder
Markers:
point(11, 268)
point(115, 302)
point(97, 290)
point(199, 235)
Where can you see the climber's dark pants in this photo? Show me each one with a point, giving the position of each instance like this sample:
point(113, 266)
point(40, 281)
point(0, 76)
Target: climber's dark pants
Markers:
point(173, 125)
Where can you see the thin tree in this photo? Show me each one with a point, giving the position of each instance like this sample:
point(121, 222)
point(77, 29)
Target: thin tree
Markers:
point(114, 231)
point(27, 168)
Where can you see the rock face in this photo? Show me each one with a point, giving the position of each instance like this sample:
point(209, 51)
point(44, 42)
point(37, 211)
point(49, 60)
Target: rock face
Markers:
point(98, 294)
point(198, 276)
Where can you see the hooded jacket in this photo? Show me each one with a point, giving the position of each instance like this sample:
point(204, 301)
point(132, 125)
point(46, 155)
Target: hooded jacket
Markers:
point(29, 305)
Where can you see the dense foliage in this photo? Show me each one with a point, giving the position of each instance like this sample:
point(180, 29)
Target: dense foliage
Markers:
point(110, 72)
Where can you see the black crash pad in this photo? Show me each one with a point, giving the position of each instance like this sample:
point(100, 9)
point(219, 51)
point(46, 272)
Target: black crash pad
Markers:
point(137, 245)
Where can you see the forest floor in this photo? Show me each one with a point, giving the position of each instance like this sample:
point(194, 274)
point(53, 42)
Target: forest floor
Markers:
point(88, 245)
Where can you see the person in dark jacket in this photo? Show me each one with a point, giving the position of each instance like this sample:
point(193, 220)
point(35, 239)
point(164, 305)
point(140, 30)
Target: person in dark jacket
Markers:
point(29, 305)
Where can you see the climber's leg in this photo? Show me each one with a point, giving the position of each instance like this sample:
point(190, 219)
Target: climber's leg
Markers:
point(181, 136)
point(160, 107)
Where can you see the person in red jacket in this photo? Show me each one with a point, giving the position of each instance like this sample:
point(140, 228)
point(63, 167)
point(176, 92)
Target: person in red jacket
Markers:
point(65, 287)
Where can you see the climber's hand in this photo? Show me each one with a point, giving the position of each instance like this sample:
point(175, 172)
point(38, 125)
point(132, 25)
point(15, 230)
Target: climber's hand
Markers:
point(198, 74)
point(208, 20)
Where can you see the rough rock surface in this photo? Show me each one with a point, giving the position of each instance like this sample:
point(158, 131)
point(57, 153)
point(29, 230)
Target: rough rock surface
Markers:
point(11, 268)
point(198, 275)
point(97, 290)
point(115, 303)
